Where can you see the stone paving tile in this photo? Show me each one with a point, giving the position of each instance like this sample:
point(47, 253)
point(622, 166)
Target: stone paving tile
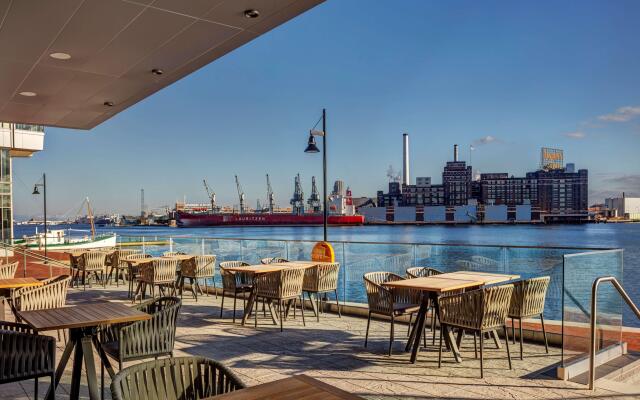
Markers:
point(333, 351)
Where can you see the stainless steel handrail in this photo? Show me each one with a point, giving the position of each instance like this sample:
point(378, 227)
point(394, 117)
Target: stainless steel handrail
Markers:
point(594, 317)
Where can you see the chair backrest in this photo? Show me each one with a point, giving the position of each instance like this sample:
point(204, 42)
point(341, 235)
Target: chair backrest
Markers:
point(75, 260)
point(8, 271)
point(528, 297)
point(271, 260)
point(286, 283)
point(172, 253)
point(136, 256)
point(233, 264)
point(199, 378)
point(25, 355)
point(199, 267)
point(380, 299)
point(160, 270)
point(477, 309)
point(420, 272)
point(321, 278)
point(53, 294)
point(94, 260)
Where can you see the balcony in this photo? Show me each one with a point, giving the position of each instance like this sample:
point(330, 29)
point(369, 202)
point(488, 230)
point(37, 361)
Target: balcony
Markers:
point(23, 140)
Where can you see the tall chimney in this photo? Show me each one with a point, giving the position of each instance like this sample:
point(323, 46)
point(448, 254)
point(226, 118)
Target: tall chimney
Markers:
point(455, 152)
point(405, 159)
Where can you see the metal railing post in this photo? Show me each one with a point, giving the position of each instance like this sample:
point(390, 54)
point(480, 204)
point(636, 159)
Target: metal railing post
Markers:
point(24, 264)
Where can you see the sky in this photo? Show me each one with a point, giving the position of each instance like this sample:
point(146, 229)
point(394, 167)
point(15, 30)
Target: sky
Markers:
point(504, 77)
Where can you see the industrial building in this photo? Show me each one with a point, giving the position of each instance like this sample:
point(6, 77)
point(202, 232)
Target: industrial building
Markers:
point(623, 207)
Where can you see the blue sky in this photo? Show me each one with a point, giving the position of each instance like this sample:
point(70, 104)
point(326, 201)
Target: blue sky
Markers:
point(508, 77)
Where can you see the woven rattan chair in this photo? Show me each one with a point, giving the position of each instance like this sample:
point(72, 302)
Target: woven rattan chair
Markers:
point(116, 264)
point(8, 271)
point(133, 272)
point(420, 272)
point(144, 339)
point(528, 301)
point(198, 267)
point(383, 301)
point(197, 378)
point(26, 355)
point(93, 262)
point(160, 273)
point(75, 261)
point(271, 260)
point(280, 286)
point(322, 279)
point(480, 311)
point(234, 284)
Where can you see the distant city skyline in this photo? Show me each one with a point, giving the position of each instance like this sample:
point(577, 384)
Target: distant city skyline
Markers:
point(505, 78)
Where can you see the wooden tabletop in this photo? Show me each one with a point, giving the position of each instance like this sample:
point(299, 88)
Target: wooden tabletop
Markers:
point(274, 267)
point(299, 387)
point(83, 315)
point(15, 283)
point(451, 281)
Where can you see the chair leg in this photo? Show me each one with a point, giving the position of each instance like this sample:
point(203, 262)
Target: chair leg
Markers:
point(281, 319)
point(481, 355)
point(255, 314)
point(302, 309)
point(366, 335)
point(433, 327)
point(544, 333)
point(391, 338)
point(35, 394)
point(235, 297)
point(475, 345)
point(521, 339)
point(513, 329)
point(222, 304)
point(440, 348)
point(506, 340)
point(409, 326)
point(318, 306)
point(337, 303)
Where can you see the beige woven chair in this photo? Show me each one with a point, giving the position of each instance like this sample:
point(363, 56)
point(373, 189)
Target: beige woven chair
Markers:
point(392, 304)
point(198, 267)
point(52, 294)
point(421, 272)
point(234, 284)
point(75, 261)
point(8, 271)
point(116, 264)
point(528, 301)
point(281, 287)
point(160, 273)
point(133, 271)
point(480, 311)
point(322, 279)
point(93, 262)
point(271, 260)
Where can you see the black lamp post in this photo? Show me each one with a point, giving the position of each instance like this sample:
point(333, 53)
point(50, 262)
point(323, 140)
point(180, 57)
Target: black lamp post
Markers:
point(43, 185)
point(312, 148)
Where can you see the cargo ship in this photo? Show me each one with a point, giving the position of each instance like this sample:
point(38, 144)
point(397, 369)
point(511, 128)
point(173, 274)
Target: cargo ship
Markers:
point(341, 210)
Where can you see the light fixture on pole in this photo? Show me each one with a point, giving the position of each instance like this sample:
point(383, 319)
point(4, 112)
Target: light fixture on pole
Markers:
point(43, 185)
point(313, 148)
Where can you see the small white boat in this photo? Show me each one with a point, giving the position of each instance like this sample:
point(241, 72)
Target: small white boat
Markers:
point(57, 240)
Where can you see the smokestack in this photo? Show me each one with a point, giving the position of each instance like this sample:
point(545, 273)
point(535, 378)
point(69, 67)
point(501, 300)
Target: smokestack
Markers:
point(405, 159)
point(455, 152)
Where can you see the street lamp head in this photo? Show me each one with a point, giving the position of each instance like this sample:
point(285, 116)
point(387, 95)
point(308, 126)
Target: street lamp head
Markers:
point(35, 190)
point(311, 145)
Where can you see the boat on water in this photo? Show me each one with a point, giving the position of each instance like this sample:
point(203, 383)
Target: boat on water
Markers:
point(57, 239)
point(185, 219)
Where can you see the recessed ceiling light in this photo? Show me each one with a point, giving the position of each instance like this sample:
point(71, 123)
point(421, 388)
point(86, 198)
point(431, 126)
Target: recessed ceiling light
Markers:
point(60, 56)
point(251, 13)
point(157, 71)
point(108, 103)
point(27, 94)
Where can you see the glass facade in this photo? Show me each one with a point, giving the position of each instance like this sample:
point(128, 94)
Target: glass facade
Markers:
point(5, 197)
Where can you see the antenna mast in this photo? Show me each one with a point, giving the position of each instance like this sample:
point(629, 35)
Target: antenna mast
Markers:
point(240, 195)
point(270, 198)
point(90, 216)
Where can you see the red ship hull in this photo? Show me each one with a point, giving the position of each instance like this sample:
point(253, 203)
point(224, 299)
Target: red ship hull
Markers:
point(187, 220)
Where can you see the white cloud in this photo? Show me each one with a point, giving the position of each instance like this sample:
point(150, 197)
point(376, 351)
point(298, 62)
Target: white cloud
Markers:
point(622, 114)
point(486, 140)
point(576, 135)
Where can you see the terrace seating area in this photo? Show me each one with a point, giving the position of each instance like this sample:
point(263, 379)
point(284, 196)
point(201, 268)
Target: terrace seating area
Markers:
point(345, 355)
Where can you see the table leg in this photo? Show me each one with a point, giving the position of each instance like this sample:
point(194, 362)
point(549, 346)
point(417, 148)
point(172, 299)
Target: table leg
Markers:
point(66, 354)
point(418, 328)
point(274, 315)
point(496, 339)
point(90, 365)
point(77, 369)
point(249, 306)
point(103, 356)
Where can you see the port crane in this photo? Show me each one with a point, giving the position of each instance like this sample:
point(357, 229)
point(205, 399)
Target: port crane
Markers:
point(297, 201)
point(212, 196)
point(270, 198)
point(314, 199)
point(240, 195)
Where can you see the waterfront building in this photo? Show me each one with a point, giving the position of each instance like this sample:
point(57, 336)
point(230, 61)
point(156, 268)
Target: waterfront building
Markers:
point(562, 195)
point(16, 140)
point(456, 179)
point(623, 207)
point(499, 188)
point(339, 189)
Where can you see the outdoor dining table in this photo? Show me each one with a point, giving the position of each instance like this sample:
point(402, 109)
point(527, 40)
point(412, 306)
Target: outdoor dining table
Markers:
point(434, 286)
point(137, 262)
point(259, 269)
point(7, 285)
point(299, 387)
point(82, 321)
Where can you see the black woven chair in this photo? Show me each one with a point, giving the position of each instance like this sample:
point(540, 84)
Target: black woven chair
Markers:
point(25, 355)
point(144, 339)
point(182, 378)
